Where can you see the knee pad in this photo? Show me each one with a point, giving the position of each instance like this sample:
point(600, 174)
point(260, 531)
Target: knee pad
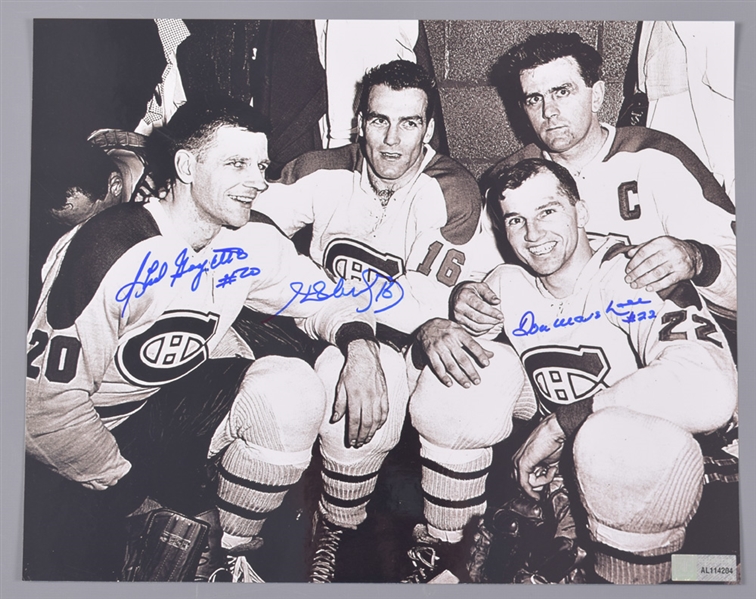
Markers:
point(280, 405)
point(332, 436)
point(640, 479)
point(458, 418)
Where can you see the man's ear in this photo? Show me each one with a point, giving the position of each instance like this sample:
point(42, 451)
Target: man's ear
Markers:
point(582, 214)
point(360, 124)
point(115, 188)
point(429, 132)
point(597, 96)
point(184, 162)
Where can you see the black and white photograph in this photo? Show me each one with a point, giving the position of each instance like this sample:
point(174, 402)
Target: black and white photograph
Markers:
point(382, 301)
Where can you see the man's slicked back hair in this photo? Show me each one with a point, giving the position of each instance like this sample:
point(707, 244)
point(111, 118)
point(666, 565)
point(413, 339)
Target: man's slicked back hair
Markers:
point(192, 127)
point(543, 48)
point(515, 176)
point(398, 75)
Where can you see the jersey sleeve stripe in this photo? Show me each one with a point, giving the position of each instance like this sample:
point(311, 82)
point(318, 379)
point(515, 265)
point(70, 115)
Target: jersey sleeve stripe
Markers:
point(347, 158)
point(462, 197)
point(636, 139)
point(94, 249)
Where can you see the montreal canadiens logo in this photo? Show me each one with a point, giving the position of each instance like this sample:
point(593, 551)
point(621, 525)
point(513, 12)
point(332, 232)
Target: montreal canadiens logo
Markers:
point(563, 375)
point(354, 261)
point(172, 347)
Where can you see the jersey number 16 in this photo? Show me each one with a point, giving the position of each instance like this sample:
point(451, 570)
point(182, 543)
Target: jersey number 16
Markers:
point(451, 266)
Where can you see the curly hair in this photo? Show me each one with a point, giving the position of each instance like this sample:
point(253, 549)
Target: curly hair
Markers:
point(79, 166)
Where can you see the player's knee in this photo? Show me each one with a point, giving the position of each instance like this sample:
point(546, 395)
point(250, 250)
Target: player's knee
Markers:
point(333, 435)
point(459, 418)
point(282, 403)
point(640, 479)
point(331, 362)
point(328, 368)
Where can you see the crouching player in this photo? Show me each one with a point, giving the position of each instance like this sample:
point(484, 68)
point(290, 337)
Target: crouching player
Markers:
point(135, 376)
point(624, 376)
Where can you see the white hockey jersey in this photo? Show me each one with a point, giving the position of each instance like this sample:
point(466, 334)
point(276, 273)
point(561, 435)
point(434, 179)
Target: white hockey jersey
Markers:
point(660, 354)
point(428, 238)
point(644, 184)
point(132, 308)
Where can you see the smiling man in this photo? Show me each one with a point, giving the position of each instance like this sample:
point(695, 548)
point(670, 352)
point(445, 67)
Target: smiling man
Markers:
point(134, 377)
point(642, 185)
point(625, 375)
point(388, 207)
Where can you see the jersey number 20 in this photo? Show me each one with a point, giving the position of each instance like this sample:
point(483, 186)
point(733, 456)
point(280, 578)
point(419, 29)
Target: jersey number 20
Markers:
point(61, 359)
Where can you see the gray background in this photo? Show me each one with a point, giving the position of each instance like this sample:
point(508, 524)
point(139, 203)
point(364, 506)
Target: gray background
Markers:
point(459, 79)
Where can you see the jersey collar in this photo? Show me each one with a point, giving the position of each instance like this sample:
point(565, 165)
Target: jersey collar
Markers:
point(602, 153)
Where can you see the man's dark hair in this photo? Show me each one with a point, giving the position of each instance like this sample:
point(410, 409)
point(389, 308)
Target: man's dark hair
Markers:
point(544, 48)
point(191, 129)
point(516, 175)
point(398, 75)
point(78, 166)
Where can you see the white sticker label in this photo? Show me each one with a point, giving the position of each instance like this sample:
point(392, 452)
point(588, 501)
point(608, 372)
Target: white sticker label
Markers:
point(704, 568)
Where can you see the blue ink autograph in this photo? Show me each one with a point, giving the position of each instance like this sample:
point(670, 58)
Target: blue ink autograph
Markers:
point(147, 276)
point(221, 257)
point(529, 326)
point(381, 289)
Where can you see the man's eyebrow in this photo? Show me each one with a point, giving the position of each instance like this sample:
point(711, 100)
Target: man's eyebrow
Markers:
point(556, 88)
point(245, 159)
point(549, 205)
point(541, 207)
point(374, 115)
point(566, 85)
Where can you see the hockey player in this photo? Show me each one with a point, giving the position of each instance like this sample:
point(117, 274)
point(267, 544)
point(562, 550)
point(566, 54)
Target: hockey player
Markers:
point(134, 376)
point(640, 184)
point(390, 203)
point(626, 374)
point(388, 207)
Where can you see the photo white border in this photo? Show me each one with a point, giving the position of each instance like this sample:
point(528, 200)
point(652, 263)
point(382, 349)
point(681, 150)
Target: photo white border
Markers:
point(15, 152)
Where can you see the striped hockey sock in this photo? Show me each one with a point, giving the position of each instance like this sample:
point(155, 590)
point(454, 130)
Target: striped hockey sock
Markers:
point(347, 489)
point(454, 485)
point(250, 488)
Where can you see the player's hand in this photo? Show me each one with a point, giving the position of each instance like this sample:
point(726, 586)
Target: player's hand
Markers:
point(448, 347)
point(662, 262)
point(535, 463)
point(361, 393)
point(105, 482)
point(474, 307)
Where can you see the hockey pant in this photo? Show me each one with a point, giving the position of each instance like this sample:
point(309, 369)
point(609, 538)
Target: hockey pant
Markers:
point(640, 480)
point(350, 474)
point(457, 428)
point(267, 436)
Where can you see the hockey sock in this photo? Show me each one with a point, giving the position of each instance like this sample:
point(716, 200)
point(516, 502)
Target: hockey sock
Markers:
point(454, 484)
point(347, 489)
point(250, 488)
